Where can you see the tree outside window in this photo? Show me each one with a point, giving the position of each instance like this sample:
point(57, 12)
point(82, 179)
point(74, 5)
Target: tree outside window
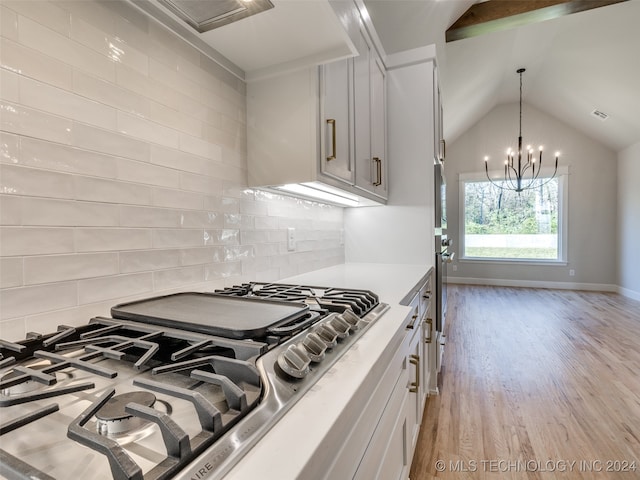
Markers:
point(503, 224)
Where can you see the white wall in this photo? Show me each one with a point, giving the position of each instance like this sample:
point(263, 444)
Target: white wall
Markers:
point(592, 229)
point(123, 170)
point(629, 221)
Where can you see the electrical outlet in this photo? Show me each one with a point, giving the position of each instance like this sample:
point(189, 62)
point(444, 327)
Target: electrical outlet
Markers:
point(455, 268)
point(291, 239)
point(572, 272)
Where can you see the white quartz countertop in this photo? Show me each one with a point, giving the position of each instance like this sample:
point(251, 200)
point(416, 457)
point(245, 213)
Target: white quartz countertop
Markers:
point(299, 445)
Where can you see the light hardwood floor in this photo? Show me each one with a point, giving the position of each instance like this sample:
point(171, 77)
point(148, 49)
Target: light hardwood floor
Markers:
point(534, 380)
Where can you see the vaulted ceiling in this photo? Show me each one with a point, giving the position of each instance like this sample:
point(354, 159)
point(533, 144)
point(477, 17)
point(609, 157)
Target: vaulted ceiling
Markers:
point(575, 64)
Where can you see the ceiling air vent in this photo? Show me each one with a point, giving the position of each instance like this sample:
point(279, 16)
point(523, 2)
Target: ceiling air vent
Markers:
point(600, 115)
point(205, 15)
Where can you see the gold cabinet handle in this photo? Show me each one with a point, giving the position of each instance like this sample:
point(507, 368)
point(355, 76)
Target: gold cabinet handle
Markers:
point(378, 181)
point(429, 321)
point(413, 322)
point(414, 386)
point(332, 122)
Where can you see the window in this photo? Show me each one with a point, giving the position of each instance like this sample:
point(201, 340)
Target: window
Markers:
point(505, 225)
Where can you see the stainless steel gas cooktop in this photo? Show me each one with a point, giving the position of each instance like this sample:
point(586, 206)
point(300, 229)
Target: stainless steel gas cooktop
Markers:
point(171, 386)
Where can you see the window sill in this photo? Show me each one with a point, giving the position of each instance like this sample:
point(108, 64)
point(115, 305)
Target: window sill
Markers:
point(515, 261)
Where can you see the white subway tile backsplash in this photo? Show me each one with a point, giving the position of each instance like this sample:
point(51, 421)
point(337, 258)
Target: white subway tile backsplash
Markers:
point(56, 268)
point(110, 191)
point(30, 181)
point(8, 24)
point(70, 213)
point(21, 301)
point(33, 64)
point(9, 148)
point(10, 210)
point(193, 237)
point(64, 158)
point(35, 240)
point(147, 87)
point(10, 272)
point(223, 270)
point(266, 223)
point(140, 261)
point(13, 330)
point(16, 118)
point(233, 254)
point(109, 239)
point(201, 255)
point(182, 161)
point(52, 99)
point(162, 36)
point(165, 197)
point(131, 216)
point(140, 172)
point(104, 288)
point(109, 45)
point(45, 13)
point(123, 170)
point(200, 183)
point(110, 94)
point(10, 86)
point(202, 219)
point(105, 141)
point(135, 126)
point(178, 277)
point(197, 146)
point(175, 119)
point(35, 35)
point(224, 237)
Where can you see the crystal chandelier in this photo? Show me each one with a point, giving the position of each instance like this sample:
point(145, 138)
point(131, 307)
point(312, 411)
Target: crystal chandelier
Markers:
point(523, 174)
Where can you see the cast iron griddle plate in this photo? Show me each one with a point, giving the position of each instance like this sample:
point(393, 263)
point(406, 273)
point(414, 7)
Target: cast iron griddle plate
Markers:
point(230, 317)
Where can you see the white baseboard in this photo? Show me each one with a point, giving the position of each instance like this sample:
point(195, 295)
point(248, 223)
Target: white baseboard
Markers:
point(629, 293)
point(500, 282)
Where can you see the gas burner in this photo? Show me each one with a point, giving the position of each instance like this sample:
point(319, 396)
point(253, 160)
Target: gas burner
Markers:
point(113, 418)
point(28, 386)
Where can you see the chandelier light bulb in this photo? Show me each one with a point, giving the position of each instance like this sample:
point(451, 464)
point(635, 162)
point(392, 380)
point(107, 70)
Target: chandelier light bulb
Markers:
point(557, 154)
point(540, 148)
point(486, 158)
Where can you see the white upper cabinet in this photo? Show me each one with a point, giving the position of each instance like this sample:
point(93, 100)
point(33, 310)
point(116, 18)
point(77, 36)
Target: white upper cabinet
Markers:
point(379, 128)
point(336, 159)
point(369, 119)
point(324, 125)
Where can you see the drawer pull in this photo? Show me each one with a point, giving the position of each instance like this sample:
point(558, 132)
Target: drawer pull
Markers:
point(414, 386)
point(412, 325)
point(429, 322)
point(378, 163)
point(332, 122)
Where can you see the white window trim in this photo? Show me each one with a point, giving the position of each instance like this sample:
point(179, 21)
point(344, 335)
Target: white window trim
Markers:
point(563, 219)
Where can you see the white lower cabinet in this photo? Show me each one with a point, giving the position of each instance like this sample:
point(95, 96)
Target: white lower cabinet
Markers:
point(381, 444)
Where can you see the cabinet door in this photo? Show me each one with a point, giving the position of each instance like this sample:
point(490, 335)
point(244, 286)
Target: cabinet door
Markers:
point(414, 402)
point(336, 158)
point(362, 114)
point(439, 143)
point(387, 455)
point(378, 127)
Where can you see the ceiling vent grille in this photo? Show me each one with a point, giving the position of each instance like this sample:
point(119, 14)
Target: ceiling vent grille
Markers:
point(205, 15)
point(600, 115)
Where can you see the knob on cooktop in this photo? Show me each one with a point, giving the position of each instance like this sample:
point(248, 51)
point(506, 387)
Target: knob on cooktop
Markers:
point(294, 361)
point(314, 346)
point(327, 334)
point(340, 326)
